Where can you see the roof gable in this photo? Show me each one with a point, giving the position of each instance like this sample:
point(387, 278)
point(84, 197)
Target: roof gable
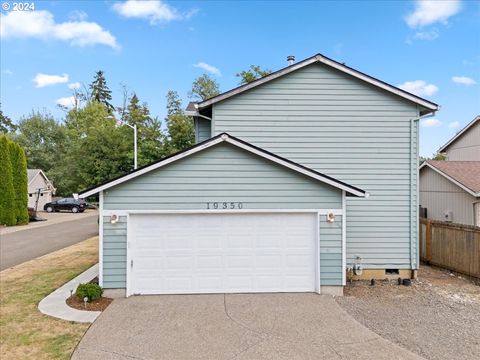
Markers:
point(459, 134)
point(226, 138)
point(465, 174)
point(427, 106)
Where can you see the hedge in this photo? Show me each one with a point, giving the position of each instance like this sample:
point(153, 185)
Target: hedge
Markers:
point(13, 183)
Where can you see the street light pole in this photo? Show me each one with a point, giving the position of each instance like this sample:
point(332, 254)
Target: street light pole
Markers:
point(134, 127)
point(134, 145)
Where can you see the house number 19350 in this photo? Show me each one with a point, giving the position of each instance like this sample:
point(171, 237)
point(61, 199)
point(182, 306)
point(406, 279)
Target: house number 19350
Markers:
point(224, 205)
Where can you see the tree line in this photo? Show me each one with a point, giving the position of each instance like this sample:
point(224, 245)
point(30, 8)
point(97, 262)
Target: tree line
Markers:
point(13, 183)
point(89, 147)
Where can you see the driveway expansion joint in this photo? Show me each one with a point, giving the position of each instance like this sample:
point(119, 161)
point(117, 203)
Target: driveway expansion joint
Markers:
point(55, 303)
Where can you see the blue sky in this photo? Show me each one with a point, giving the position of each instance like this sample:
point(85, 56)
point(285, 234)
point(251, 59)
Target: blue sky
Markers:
point(431, 48)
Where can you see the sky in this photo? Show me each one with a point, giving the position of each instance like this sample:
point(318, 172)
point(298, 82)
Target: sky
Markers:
point(50, 48)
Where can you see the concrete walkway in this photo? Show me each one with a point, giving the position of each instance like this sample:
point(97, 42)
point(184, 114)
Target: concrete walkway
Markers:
point(55, 305)
point(232, 326)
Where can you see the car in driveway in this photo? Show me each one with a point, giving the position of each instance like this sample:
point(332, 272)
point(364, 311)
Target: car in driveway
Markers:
point(66, 204)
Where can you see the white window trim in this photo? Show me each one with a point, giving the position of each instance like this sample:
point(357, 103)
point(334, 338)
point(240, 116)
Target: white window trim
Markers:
point(131, 237)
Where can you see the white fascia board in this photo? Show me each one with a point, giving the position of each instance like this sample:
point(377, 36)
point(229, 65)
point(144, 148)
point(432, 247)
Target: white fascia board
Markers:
point(438, 171)
point(321, 59)
point(377, 83)
point(457, 135)
point(296, 168)
point(150, 168)
point(228, 139)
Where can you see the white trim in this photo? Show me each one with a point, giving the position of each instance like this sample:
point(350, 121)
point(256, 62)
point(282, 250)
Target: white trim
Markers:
point(321, 59)
point(151, 167)
point(471, 192)
point(318, 284)
point(458, 134)
point(226, 138)
point(236, 211)
point(131, 238)
point(344, 239)
point(100, 240)
point(128, 280)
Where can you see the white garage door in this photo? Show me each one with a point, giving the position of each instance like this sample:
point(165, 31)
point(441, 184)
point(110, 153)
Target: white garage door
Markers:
point(217, 253)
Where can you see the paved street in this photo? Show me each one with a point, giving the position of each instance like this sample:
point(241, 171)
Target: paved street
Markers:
point(24, 245)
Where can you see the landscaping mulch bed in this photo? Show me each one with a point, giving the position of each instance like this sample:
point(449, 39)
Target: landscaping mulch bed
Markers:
point(96, 305)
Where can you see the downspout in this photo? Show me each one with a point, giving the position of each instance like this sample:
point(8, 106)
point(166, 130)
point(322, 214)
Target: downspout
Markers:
point(414, 256)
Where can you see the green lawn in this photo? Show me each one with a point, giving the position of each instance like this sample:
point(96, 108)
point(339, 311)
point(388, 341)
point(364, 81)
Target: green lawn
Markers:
point(25, 333)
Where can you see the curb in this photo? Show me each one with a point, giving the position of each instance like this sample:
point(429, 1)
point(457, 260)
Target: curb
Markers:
point(55, 305)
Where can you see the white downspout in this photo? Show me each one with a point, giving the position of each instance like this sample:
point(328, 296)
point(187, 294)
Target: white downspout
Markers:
point(414, 257)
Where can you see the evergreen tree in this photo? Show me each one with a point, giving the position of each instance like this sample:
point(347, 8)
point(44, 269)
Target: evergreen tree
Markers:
point(6, 124)
point(7, 194)
point(100, 92)
point(204, 87)
point(20, 182)
point(180, 129)
point(253, 73)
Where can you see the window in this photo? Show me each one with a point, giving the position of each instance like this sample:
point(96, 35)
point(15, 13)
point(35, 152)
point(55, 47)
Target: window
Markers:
point(30, 195)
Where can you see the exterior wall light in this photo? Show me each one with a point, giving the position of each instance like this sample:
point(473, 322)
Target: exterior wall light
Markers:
point(330, 217)
point(113, 219)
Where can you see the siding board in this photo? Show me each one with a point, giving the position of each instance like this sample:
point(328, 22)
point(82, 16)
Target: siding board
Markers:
point(345, 128)
point(221, 173)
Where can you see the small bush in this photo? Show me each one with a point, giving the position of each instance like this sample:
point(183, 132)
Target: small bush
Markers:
point(89, 290)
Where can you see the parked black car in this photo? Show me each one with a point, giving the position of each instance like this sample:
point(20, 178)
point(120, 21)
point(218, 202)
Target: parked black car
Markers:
point(69, 204)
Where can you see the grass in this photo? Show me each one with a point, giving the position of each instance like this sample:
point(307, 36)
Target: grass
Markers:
point(25, 333)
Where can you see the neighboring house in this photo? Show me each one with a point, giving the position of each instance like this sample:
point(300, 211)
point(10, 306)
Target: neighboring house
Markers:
point(450, 190)
point(39, 186)
point(465, 145)
point(274, 197)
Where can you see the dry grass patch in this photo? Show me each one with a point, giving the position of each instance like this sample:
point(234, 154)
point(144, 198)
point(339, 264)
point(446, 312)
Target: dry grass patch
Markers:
point(25, 333)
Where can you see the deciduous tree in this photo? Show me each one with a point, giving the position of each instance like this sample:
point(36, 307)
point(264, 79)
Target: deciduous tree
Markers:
point(253, 73)
point(203, 88)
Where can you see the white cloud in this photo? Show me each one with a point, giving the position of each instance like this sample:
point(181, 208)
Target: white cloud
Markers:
point(42, 80)
point(427, 35)
point(463, 80)
point(73, 86)
point(68, 102)
point(7, 72)
point(428, 12)
point(427, 123)
point(419, 87)
point(155, 11)
point(209, 68)
point(41, 25)
point(77, 15)
point(454, 125)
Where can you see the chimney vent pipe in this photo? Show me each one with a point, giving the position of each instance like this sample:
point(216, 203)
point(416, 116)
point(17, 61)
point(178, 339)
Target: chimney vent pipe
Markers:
point(290, 59)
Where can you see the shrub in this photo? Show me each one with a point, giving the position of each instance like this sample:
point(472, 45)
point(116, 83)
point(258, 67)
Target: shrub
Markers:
point(20, 182)
point(8, 214)
point(90, 291)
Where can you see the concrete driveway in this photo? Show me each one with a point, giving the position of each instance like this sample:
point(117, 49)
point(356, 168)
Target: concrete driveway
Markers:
point(232, 326)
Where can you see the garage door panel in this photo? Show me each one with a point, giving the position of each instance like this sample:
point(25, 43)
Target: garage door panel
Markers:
point(215, 253)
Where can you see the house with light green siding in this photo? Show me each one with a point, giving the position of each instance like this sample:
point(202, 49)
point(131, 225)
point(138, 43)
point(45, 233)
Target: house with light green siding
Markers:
point(297, 179)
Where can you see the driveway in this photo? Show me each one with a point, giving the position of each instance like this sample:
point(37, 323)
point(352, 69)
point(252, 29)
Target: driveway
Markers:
point(233, 326)
point(26, 244)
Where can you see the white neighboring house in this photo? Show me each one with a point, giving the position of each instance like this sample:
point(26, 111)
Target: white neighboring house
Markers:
point(37, 180)
point(450, 189)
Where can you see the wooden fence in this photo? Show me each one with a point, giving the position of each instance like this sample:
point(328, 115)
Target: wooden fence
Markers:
point(452, 246)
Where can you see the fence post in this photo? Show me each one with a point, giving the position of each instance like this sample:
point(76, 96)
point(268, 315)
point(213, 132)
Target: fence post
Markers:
point(428, 241)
